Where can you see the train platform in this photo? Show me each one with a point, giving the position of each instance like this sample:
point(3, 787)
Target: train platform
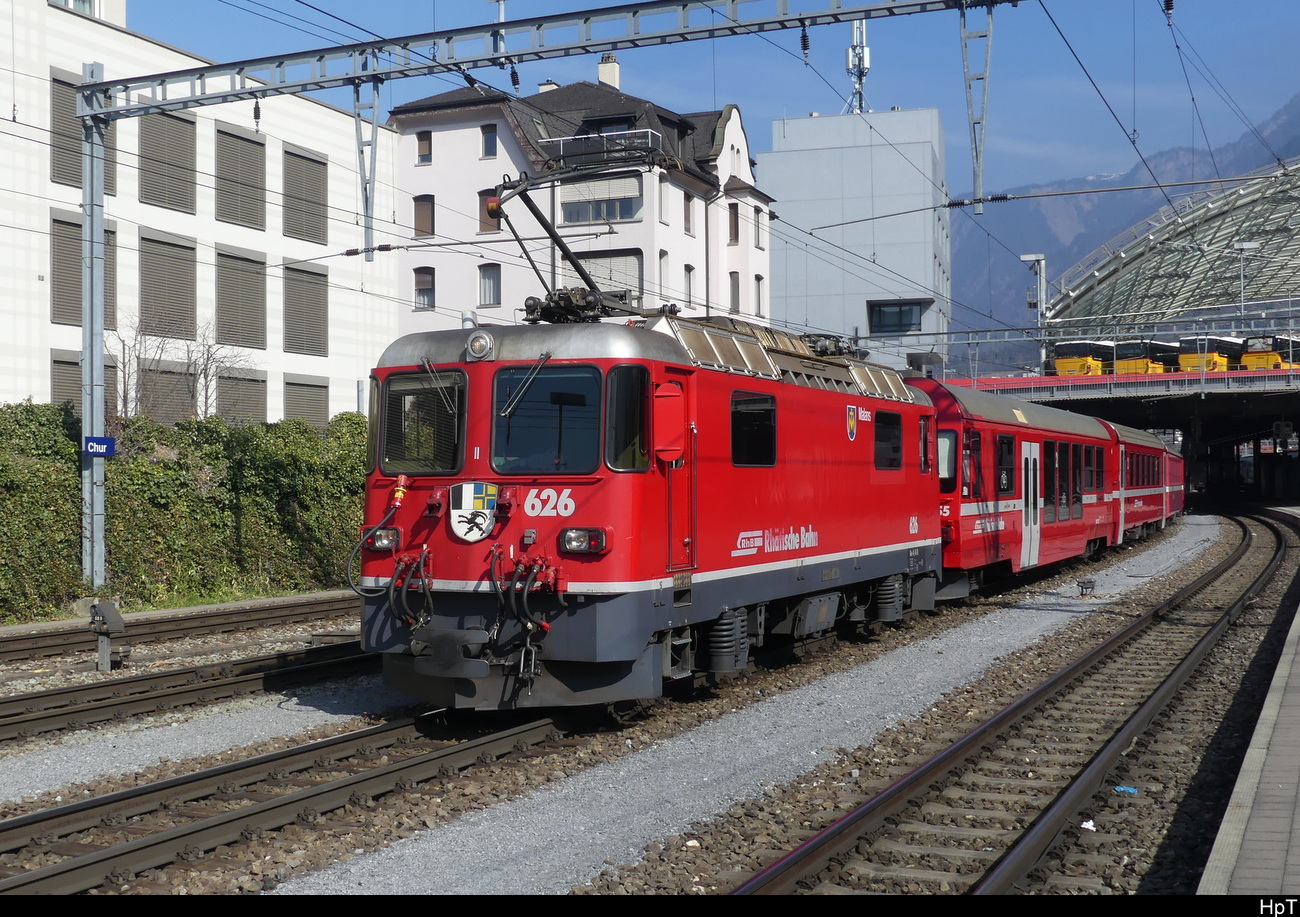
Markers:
point(1257, 851)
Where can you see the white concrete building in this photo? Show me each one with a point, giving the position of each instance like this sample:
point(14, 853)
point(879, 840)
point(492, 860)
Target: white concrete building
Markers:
point(227, 290)
point(683, 224)
point(880, 278)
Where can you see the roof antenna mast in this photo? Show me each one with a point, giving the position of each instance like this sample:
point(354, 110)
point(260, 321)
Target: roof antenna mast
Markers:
point(858, 63)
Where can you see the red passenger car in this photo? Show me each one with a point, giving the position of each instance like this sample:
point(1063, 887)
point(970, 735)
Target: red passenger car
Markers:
point(1149, 482)
point(1021, 485)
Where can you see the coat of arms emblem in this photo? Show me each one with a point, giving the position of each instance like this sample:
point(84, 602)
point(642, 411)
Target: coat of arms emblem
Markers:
point(473, 510)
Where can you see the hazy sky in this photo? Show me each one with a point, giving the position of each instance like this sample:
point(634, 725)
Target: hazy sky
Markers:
point(1045, 120)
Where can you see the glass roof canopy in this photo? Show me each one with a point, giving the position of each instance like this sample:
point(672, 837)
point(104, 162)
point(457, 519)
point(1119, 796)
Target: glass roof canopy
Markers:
point(1200, 259)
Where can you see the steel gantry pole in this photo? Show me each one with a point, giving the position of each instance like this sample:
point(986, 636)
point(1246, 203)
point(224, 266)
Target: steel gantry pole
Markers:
point(92, 333)
point(975, 111)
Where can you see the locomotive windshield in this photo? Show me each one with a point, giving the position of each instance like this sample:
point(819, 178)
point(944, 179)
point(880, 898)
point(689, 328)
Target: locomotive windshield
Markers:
point(423, 423)
point(553, 422)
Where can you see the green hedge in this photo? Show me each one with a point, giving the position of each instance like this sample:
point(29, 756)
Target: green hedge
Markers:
point(201, 511)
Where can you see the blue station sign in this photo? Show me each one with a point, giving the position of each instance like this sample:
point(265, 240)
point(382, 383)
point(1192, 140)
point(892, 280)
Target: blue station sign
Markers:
point(100, 446)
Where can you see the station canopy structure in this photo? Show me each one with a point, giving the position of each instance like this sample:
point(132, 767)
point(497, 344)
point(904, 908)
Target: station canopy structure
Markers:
point(1223, 261)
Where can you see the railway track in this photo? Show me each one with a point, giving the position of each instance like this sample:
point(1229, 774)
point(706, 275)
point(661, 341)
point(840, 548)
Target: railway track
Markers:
point(83, 845)
point(224, 619)
point(983, 812)
point(25, 715)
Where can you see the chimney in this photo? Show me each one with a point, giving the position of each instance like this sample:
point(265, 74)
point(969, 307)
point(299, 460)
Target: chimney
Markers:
point(607, 70)
point(547, 86)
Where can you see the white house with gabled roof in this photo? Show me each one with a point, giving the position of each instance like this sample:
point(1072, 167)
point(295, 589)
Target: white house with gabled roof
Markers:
point(683, 224)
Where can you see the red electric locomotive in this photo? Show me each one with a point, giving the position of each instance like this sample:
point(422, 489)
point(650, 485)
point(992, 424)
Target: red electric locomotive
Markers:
point(1021, 485)
point(577, 513)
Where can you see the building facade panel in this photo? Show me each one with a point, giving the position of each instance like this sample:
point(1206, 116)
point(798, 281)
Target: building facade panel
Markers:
point(878, 275)
point(182, 203)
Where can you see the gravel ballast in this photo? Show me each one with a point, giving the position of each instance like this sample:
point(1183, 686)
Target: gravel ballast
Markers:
point(82, 756)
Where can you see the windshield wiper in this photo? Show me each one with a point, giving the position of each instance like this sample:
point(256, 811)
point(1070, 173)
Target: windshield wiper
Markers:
point(518, 396)
point(438, 385)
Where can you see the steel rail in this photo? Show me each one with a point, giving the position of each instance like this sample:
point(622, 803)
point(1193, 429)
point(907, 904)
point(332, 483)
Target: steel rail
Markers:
point(74, 707)
point(84, 814)
point(782, 876)
point(95, 868)
point(223, 619)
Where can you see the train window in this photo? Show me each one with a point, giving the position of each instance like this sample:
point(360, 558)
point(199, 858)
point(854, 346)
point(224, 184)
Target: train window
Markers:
point(973, 467)
point(889, 439)
point(546, 420)
point(1101, 468)
point(1049, 481)
point(753, 429)
point(925, 445)
point(626, 440)
point(1063, 493)
point(1006, 464)
point(1076, 491)
point(947, 461)
point(423, 423)
point(1089, 468)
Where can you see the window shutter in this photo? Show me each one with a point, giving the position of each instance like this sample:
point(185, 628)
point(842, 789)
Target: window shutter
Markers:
point(167, 150)
point(65, 385)
point(306, 312)
point(241, 400)
point(65, 140)
point(241, 181)
point(241, 302)
point(604, 189)
point(167, 397)
point(306, 190)
point(167, 289)
point(310, 402)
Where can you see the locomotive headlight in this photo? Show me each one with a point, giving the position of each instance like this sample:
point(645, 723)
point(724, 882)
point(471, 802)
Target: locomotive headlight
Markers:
point(583, 541)
point(479, 346)
point(386, 539)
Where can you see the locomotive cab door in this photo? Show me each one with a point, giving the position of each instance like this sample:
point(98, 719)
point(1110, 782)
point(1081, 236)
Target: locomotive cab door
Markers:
point(674, 447)
point(1032, 511)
